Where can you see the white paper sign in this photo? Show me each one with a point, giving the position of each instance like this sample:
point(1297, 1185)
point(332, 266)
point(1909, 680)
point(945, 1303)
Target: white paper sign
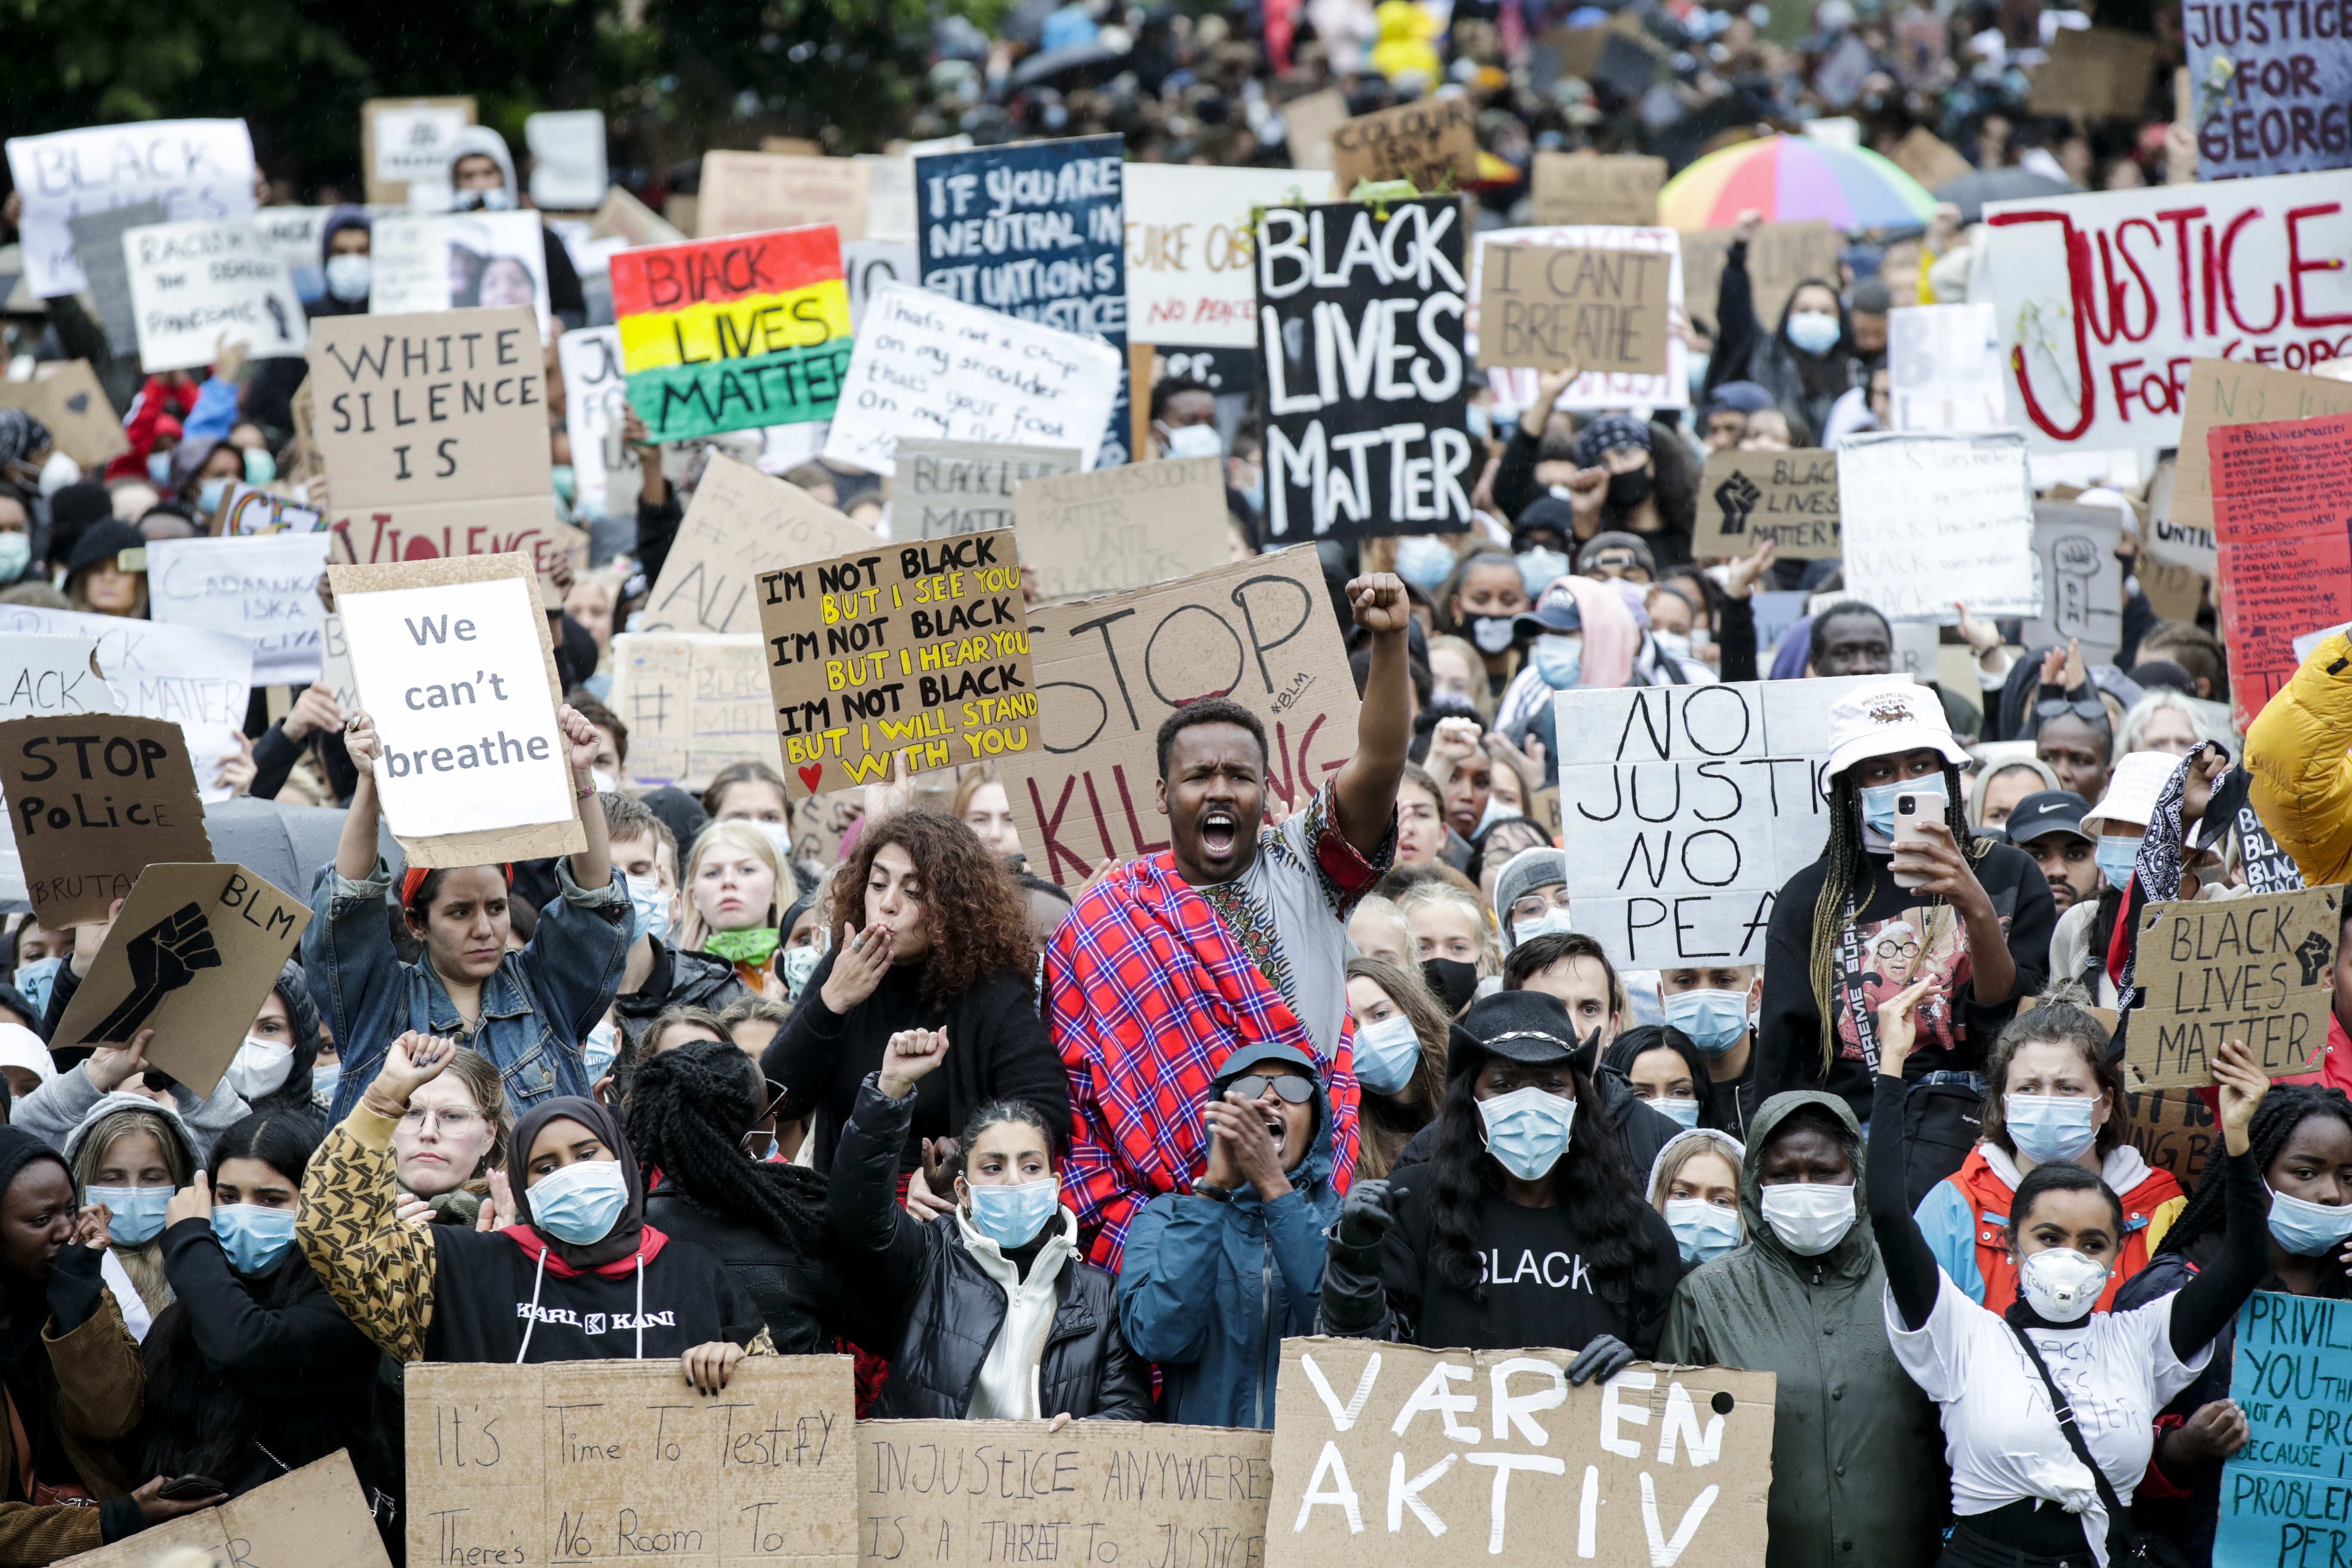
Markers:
point(869, 264)
point(1191, 273)
point(456, 682)
point(198, 680)
point(1699, 801)
point(1932, 521)
point(264, 588)
point(44, 675)
point(929, 365)
point(567, 149)
point(1595, 389)
point(448, 263)
point(2082, 581)
point(193, 285)
point(197, 168)
point(596, 390)
point(1943, 367)
point(413, 142)
point(335, 663)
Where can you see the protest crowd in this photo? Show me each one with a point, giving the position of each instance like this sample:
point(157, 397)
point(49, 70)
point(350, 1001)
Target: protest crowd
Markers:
point(1651, 697)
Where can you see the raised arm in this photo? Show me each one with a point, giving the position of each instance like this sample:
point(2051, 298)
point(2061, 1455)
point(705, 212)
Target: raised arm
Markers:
point(2207, 1303)
point(1912, 1273)
point(592, 866)
point(355, 852)
point(1366, 786)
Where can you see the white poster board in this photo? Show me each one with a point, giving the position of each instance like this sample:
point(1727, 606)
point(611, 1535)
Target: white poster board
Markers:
point(412, 140)
point(596, 390)
point(870, 264)
point(1191, 272)
point(196, 285)
point(199, 680)
point(2082, 581)
point(197, 168)
point(1932, 522)
point(264, 588)
point(1943, 367)
point(444, 263)
point(1517, 388)
point(567, 151)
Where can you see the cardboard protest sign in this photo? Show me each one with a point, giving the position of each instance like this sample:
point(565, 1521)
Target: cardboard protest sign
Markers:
point(2072, 387)
point(421, 265)
point(1554, 307)
point(2280, 495)
point(733, 334)
point(196, 284)
point(739, 524)
point(595, 388)
point(197, 168)
point(2172, 1128)
point(1780, 257)
point(1037, 230)
point(2282, 1494)
point(71, 403)
point(744, 192)
point(1979, 551)
point(694, 702)
point(406, 139)
point(93, 798)
point(1189, 273)
point(567, 159)
point(249, 511)
point(947, 488)
point(1109, 669)
point(52, 677)
point(1361, 336)
point(621, 215)
point(1123, 528)
point(454, 665)
point(1927, 158)
point(2082, 581)
point(1434, 144)
point(193, 952)
point(1515, 388)
point(316, 1517)
point(2252, 969)
point(1582, 188)
point(2223, 392)
point(2099, 73)
point(925, 365)
point(2276, 107)
point(265, 589)
point(1944, 368)
point(1309, 124)
point(611, 1459)
point(1710, 795)
point(1789, 498)
point(1094, 1492)
point(920, 652)
point(200, 680)
point(98, 245)
point(1658, 1465)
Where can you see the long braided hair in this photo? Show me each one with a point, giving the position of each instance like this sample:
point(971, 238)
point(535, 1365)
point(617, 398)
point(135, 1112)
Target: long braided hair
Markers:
point(1848, 878)
point(2284, 1108)
point(689, 1109)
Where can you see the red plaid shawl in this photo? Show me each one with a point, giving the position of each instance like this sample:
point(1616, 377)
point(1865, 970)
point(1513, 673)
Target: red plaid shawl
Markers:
point(1150, 990)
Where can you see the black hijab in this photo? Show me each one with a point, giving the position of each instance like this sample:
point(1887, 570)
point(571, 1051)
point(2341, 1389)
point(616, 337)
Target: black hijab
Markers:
point(621, 1241)
point(30, 1310)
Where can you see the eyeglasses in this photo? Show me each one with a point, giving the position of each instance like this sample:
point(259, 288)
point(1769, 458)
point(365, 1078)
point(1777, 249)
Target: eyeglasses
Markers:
point(1533, 906)
point(1297, 1090)
point(453, 1124)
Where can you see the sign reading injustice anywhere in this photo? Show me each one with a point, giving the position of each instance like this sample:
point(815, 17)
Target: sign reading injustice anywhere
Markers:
point(2283, 1493)
point(899, 651)
point(2172, 1128)
point(1788, 498)
point(1434, 144)
point(2255, 968)
point(2278, 105)
point(2281, 493)
point(1360, 333)
point(1124, 528)
point(947, 488)
point(1555, 308)
point(93, 799)
point(1980, 551)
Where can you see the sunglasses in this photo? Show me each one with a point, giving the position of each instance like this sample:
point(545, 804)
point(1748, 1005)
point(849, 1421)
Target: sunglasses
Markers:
point(1297, 1090)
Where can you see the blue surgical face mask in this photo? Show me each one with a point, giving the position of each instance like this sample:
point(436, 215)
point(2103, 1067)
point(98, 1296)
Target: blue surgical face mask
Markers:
point(651, 904)
point(1559, 660)
point(1012, 1217)
point(324, 1077)
point(254, 1238)
point(138, 1212)
point(794, 966)
point(1386, 1054)
point(596, 1053)
point(1540, 568)
point(1683, 1113)
point(209, 494)
point(35, 980)
point(1815, 331)
point(1878, 801)
point(1715, 1021)
point(2305, 1228)
point(580, 1203)
point(1481, 421)
point(1424, 561)
point(2116, 857)
point(159, 467)
point(1526, 1130)
point(2048, 1128)
point(348, 278)
point(1704, 1231)
point(260, 468)
point(1553, 922)
point(16, 555)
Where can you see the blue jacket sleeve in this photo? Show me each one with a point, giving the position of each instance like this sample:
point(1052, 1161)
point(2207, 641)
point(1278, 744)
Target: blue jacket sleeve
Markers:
point(1167, 1276)
point(354, 974)
point(1944, 1218)
point(215, 414)
point(1296, 1231)
point(574, 961)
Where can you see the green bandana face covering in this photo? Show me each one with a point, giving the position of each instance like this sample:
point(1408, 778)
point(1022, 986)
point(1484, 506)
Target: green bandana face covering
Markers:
point(754, 944)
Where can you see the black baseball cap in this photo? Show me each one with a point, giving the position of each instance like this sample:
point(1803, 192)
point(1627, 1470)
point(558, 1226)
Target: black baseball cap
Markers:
point(2047, 811)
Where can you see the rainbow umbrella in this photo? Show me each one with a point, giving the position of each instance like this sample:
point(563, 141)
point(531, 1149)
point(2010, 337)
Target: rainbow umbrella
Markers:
point(1790, 178)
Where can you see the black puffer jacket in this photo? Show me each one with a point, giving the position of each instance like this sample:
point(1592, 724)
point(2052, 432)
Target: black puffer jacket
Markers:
point(803, 1300)
point(677, 980)
point(935, 1311)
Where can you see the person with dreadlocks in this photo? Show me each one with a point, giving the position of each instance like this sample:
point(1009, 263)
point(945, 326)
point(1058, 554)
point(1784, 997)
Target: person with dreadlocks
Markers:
point(1864, 920)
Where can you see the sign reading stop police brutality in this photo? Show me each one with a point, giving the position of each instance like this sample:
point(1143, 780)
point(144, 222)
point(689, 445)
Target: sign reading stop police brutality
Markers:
point(2102, 299)
point(1360, 333)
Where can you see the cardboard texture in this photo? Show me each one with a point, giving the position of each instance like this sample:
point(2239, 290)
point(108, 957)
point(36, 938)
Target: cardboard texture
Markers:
point(1122, 528)
point(1309, 125)
point(739, 524)
point(98, 245)
point(316, 1517)
point(2096, 73)
point(694, 702)
point(1516, 386)
point(1558, 307)
point(478, 848)
point(1109, 669)
point(444, 406)
point(917, 653)
point(2280, 1492)
point(1094, 1492)
point(71, 403)
point(406, 139)
point(93, 798)
point(742, 193)
point(2221, 393)
point(818, 824)
point(1981, 553)
point(2082, 581)
point(579, 1461)
point(524, 525)
point(1659, 1465)
point(1189, 267)
point(947, 488)
point(1789, 498)
point(2174, 593)
point(1780, 257)
point(1579, 188)
point(1434, 144)
point(1928, 158)
point(2173, 1131)
point(2279, 495)
point(195, 949)
point(2255, 969)
point(621, 215)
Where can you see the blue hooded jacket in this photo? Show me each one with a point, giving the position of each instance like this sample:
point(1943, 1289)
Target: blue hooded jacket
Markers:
point(1208, 1290)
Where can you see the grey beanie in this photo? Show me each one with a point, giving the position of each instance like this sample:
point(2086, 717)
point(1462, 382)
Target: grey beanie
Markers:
point(1524, 873)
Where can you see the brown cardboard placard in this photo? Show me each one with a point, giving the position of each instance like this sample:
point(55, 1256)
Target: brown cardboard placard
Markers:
point(616, 1458)
point(739, 524)
point(947, 488)
point(519, 525)
point(316, 1517)
point(2174, 593)
point(195, 949)
point(71, 403)
point(1309, 124)
point(1558, 307)
point(1098, 1493)
point(1780, 257)
point(2095, 73)
point(387, 192)
point(1929, 159)
point(694, 703)
point(1543, 810)
point(441, 406)
point(2172, 1128)
point(1109, 669)
point(1789, 498)
point(917, 653)
point(2234, 392)
point(93, 799)
point(1656, 1455)
point(540, 842)
point(621, 215)
point(2256, 969)
point(744, 192)
point(1125, 527)
point(1581, 188)
point(1434, 144)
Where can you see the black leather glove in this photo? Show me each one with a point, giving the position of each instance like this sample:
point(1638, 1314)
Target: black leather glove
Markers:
point(1365, 1219)
point(1602, 1358)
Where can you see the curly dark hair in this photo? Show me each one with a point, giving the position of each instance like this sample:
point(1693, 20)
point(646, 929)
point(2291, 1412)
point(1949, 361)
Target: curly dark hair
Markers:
point(971, 895)
point(689, 1109)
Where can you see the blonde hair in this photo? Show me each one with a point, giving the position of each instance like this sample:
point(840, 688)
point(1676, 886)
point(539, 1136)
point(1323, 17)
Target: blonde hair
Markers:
point(1983, 782)
point(974, 778)
point(1482, 693)
point(1682, 1149)
point(737, 834)
point(1381, 908)
point(1445, 895)
point(480, 1077)
point(2136, 722)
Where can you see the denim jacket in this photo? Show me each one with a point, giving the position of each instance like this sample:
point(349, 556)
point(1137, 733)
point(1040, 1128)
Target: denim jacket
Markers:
point(537, 1007)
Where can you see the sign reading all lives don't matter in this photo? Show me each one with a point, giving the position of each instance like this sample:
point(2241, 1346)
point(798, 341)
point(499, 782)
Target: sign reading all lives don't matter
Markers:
point(920, 651)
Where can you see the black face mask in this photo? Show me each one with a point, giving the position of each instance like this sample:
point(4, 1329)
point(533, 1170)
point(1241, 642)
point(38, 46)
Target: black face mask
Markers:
point(1627, 491)
point(1455, 982)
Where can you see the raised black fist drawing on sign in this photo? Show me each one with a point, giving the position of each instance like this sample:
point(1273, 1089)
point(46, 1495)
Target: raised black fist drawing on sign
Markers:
point(2314, 955)
point(1738, 497)
point(162, 958)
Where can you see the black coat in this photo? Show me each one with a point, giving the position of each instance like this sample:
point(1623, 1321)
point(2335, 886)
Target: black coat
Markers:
point(930, 1306)
point(801, 1297)
point(677, 980)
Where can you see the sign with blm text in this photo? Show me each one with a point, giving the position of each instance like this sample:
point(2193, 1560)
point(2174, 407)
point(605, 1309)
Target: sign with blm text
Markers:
point(2283, 1493)
point(1188, 268)
point(1515, 385)
point(1980, 551)
point(1788, 498)
point(1434, 144)
point(1710, 799)
point(1554, 307)
point(740, 523)
point(1109, 669)
point(194, 285)
point(93, 799)
point(1360, 333)
point(316, 1517)
point(694, 702)
point(199, 169)
point(2281, 492)
point(1388, 1455)
point(920, 652)
point(1582, 188)
point(2256, 969)
point(947, 488)
point(1121, 528)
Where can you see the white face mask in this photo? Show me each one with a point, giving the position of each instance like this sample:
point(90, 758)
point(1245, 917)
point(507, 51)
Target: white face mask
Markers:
point(2061, 1284)
point(259, 1068)
point(1194, 441)
point(1809, 1218)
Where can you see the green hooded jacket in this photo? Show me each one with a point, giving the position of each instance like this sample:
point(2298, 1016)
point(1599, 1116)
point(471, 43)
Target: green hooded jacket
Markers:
point(1858, 1476)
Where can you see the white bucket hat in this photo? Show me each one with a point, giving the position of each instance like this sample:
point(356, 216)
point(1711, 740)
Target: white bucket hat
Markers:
point(1877, 720)
point(2139, 777)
